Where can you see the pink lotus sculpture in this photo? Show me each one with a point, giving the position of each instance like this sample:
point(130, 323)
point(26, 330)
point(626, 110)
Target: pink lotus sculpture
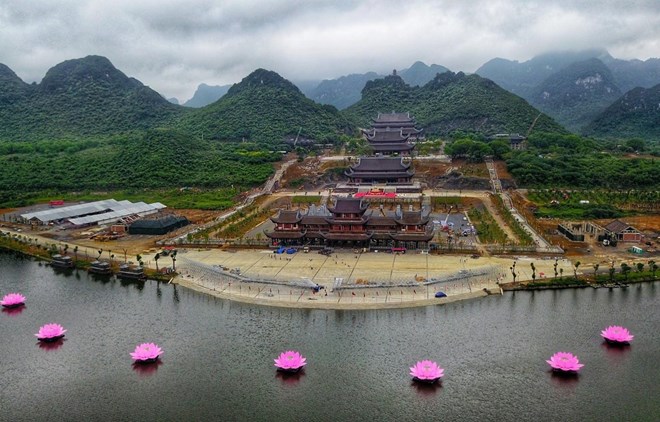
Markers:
point(564, 362)
point(146, 353)
point(426, 371)
point(13, 300)
point(50, 332)
point(615, 334)
point(290, 361)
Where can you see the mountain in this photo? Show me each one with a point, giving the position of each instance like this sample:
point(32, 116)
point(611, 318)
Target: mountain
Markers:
point(343, 91)
point(419, 73)
point(635, 115)
point(630, 74)
point(265, 107)
point(12, 88)
point(173, 100)
point(523, 78)
point(206, 94)
point(451, 102)
point(79, 97)
point(346, 90)
point(577, 93)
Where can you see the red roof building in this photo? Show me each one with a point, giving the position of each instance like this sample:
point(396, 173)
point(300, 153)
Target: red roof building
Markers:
point(349, 222)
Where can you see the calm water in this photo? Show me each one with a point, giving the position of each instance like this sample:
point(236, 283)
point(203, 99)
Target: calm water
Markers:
point(218, 360)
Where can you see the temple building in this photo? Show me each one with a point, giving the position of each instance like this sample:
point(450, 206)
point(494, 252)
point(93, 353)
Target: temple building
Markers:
point(389, 142)
point(350, 223)
point(380, 170)
point(392, 133)
point(397, 122)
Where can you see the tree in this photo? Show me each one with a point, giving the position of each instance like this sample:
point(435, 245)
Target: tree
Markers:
point(533, 271)
point(640, 267)
point(625, 269)
point(173, 256)
point(156, 260)
point(653, 267)
point(100, 251)
point(561, 273)
point(596, 266)
point(75, 252)
point(575, 269)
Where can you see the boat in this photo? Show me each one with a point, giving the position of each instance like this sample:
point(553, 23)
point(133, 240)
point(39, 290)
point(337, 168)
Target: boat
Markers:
point(130, 272)
point(100, 267)
point(62, 261)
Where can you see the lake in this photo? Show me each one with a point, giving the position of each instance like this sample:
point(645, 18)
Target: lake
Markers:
point(218, 355)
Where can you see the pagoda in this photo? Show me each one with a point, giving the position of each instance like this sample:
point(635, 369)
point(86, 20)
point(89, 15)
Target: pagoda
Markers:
point(380, 170)
point(392, 133)
point(349, 222)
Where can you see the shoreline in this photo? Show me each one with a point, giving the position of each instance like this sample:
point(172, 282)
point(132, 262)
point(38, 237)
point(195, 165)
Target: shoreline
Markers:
point(327, 305)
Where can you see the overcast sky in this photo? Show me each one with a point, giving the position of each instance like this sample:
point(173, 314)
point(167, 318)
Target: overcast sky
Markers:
point(173, 46)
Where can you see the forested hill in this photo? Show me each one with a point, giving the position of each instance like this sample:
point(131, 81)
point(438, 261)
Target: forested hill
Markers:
point(576, 94)
point(635, 115)
point(452, 102)
point(78, 98)
point(265, 107)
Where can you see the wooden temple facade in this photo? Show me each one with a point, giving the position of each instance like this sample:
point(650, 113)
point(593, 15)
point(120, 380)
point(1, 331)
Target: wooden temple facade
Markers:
point(392, 133)
point(380, 170)
point(349, 223)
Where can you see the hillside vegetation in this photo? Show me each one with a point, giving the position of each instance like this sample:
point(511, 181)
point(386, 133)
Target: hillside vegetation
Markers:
point(635, 115)
point(153, 159)
point(265, 108)
point(451, 102)
point(79, 98)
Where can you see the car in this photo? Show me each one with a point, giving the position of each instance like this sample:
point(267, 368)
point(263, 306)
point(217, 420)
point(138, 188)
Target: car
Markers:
point(440, 294)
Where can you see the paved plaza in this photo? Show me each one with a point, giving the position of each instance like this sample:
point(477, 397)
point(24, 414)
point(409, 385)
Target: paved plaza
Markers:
point(347, 279)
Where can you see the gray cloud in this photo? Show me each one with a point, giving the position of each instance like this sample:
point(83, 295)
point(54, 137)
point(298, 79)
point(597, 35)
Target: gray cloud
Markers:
point(173, 46)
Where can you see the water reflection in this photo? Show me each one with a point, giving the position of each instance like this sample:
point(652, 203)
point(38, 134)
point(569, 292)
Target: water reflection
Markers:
point(14, 311)
point(425, 389)
point(290, 378)
point(146, 369)
point(51, 345)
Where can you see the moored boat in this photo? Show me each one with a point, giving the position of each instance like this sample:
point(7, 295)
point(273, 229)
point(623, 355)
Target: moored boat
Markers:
point(100, 267)
point(130, 272)
point(62, 261)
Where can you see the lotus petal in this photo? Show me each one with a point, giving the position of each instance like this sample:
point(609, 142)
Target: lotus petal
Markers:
point(426, 371)
point(616, 334)
point(146, 352)
point(290, 361)
point(50, 332)
point(12, 300)
point(564, 361)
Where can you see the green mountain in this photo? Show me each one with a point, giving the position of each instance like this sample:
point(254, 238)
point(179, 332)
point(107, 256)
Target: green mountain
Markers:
point(79, 97)
point(523, 78)
point(577, 93)
point(346, 90)
point(343, 91)
point(206, 94)
point(420, 73)
point(265, 107)
point(452, 102)
point(635, 115)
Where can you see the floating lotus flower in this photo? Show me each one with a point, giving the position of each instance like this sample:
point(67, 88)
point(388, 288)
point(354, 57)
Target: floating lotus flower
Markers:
point(615, 334)
point(146, 353)
point(50, 332)
point(290, 361)
point(564, 362)
point(13, 300)
point(426, 371)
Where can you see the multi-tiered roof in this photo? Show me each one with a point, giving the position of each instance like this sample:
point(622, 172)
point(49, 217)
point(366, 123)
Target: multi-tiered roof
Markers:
point(391, 133)
point(349, 221)
point(380, 170)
